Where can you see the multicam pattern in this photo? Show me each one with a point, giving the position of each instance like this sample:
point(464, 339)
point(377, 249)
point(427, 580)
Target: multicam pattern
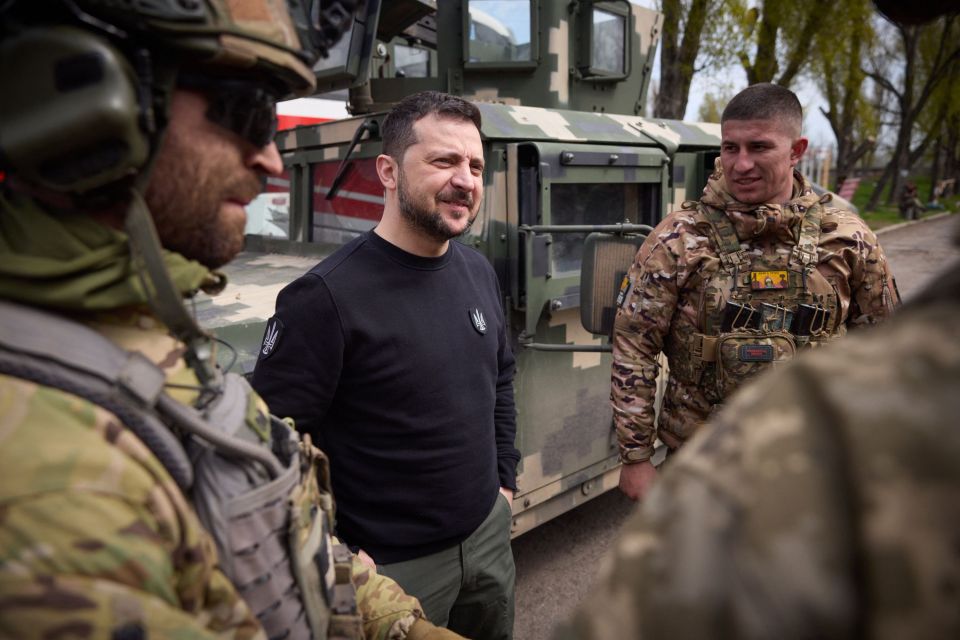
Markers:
point(97, 541)
point(732, 369)
point(826, 512)
point(678, 276)
point(95, 537)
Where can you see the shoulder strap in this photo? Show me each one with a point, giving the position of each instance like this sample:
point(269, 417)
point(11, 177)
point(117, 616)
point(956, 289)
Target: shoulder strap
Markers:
point(82, 362)
point(728, 245)
point(804, 254)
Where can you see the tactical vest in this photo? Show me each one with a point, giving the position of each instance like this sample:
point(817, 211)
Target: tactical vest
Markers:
point(260, 490)
point(755, 311)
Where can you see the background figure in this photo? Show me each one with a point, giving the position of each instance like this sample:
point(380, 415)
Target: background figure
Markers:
point(759, 268)
point(822, 502)
point(124, 128)
point(910, 205)
point(393, 354)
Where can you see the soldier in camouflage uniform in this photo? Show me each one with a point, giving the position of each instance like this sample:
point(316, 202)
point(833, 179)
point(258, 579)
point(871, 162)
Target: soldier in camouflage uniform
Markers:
point(97, 537)
point(830, 511)
point(731, 285)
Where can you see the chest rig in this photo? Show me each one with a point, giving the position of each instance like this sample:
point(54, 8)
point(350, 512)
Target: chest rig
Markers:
point(260, 490)
point(756, 310)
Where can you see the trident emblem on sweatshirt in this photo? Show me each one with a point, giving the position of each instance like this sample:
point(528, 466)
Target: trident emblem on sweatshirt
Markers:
point(271, 336)
point(479, 322)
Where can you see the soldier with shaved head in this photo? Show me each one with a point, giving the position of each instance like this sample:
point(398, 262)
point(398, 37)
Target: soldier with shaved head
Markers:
point(737, 282)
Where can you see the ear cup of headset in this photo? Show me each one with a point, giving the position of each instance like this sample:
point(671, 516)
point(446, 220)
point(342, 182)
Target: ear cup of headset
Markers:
point(69, 117)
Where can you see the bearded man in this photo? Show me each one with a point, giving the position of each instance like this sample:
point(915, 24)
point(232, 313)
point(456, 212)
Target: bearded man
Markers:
point(392, 353)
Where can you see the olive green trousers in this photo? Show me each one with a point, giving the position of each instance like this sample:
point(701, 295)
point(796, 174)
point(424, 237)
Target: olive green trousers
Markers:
point(467, 588)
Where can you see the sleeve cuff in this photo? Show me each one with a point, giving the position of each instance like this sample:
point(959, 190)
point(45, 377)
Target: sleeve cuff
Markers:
point(507, 472)
point(633, 456)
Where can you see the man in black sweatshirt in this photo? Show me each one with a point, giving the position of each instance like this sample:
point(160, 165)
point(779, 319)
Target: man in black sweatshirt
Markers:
point(393, 355)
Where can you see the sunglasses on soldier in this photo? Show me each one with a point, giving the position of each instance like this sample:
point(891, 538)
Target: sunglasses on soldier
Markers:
point(240, 106)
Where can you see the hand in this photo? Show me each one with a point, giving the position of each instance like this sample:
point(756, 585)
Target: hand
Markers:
point(422, 629)
point(508, 494)
point(635, 479)
point(367, 560)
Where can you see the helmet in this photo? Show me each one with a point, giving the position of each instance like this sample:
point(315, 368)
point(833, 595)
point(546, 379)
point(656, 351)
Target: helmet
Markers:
point(85, 81)
point(86, 85)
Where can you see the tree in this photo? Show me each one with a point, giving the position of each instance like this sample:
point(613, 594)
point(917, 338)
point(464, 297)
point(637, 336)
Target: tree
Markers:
point(779, 34)
point(836, 61)
point(693, 31)
point(928, 53)
point(940, 122)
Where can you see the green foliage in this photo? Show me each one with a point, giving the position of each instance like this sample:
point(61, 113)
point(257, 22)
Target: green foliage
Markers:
point(775, 37)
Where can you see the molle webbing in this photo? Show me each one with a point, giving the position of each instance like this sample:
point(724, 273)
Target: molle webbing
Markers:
point(691, 357)
point(804, 255)
point(728, 245)
point(82, 362)
point(240, 488)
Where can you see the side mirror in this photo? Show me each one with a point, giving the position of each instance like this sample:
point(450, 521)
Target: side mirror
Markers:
point(606, 259)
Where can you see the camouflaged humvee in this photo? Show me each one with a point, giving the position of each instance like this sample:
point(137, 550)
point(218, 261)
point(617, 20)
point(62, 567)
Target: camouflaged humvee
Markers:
point(561, 86)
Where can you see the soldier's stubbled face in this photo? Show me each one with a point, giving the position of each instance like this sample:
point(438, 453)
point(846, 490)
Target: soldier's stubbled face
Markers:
point(758, 157)
point(203, 178)
point(440, 177)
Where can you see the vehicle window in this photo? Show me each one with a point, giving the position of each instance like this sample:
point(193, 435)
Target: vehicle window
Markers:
point(608, 42)
point(269, 213)
point(574, 204)
point(357, 206)
point(499, 30)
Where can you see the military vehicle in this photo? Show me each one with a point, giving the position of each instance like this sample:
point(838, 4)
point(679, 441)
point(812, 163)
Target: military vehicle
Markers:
point(561, 86)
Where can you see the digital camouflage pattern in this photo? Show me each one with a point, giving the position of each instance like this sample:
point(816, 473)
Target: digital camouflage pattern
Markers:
point(678, 285)
point(821, 502)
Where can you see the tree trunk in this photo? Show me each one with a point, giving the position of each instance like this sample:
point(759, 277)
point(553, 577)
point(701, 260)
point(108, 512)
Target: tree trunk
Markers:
point(881, 185)
point(934, 169)
point(677, 61)
point(764, 66)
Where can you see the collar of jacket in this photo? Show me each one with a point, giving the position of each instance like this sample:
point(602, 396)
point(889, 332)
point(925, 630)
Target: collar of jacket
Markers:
point(766, 220)
point(71, 262)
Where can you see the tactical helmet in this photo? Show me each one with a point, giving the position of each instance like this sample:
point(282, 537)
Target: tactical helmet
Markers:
point(85, 81)
point(86, 87)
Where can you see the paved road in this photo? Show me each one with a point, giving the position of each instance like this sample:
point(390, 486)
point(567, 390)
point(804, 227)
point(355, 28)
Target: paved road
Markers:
point(556, 562)
point(917, 252)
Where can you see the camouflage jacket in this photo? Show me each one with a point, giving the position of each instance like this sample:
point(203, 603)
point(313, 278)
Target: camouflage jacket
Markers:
point(829, 512)
point(96, 539)
point(664, 306)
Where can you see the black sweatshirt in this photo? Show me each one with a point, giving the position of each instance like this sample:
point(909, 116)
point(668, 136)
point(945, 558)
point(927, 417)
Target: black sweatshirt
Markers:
point(400, 369)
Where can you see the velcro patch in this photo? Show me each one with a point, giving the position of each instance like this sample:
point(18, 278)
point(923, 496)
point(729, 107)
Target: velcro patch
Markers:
point(768, 280)
point(625, 286)
point(271, 337)
point(756, 353)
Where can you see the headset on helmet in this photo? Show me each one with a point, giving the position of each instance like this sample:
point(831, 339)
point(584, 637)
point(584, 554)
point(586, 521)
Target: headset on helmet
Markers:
point(85, 81)
point(86, 85)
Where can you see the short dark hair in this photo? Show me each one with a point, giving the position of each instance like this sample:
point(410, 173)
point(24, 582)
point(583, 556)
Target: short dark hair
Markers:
point(765, 101)
point(397, 128)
